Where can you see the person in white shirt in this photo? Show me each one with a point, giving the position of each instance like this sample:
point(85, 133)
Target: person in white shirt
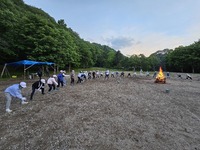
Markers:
point(188, 76)
point(52, 83)
point(64, 78)
point(72, 76)
point(81, 76)
point(14, 91)
point(101, 74)
point(112, 74)
point(97, 73)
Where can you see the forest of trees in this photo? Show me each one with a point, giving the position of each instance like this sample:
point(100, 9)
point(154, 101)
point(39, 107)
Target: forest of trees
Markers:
point(27, 32)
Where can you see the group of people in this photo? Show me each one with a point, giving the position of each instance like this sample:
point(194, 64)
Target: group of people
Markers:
point(187, 76)
point(56, 81)
point(97, 74)
point(53, 83)
point(15, 90)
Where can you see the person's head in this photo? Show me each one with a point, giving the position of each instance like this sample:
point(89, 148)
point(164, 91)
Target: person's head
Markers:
point(43, 80)
point(22, 84)
point(55, 76)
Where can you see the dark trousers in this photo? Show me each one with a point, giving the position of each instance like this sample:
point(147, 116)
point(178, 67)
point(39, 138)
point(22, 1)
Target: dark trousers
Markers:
point(72, 81)
point(89, 76)
point(33, 91)
point(79, 80)
point(51, 86)
point(107, 76)
point(60, 82)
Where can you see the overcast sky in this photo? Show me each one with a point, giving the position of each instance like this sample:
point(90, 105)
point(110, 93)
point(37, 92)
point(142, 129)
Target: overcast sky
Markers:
point(131, 26)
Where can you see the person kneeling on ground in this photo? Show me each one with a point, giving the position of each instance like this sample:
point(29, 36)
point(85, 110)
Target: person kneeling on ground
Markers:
point(14, 91)
point(52, 82)
point(39, 85)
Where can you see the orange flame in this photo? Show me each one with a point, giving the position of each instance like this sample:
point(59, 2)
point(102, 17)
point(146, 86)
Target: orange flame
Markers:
point(160, 76)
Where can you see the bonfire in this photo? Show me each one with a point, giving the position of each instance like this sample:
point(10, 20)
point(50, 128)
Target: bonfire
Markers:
point(160, 78)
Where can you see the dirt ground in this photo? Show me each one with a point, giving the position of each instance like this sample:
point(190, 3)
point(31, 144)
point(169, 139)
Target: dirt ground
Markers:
point(115, 114)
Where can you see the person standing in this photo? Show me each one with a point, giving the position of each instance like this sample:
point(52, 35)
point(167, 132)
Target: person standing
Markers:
point(168, 76)
point(39, 73)
point(155, 74)
point(47, 71)
point(39, 85)
point(72, 76)
point(52, 83)
point(14, 91)
point(60, 79)
point(64, 78)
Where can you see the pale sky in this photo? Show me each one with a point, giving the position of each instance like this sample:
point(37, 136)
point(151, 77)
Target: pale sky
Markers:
point(131, 26)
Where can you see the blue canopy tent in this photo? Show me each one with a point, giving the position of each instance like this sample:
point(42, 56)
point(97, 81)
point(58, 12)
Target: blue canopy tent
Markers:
point(26, 63)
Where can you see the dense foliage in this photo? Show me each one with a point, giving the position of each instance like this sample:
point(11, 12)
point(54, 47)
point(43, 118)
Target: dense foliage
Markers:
point(27, 32)
point(30, 33)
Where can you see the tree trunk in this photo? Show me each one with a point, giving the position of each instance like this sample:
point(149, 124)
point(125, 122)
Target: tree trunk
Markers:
point(57, 68)
point(69, 67)
point(182, 70)
point(192, 69)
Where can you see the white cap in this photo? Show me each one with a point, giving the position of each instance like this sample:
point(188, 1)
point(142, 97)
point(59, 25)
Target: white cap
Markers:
point(22, 84)
point(43, 80)
point(55, 76)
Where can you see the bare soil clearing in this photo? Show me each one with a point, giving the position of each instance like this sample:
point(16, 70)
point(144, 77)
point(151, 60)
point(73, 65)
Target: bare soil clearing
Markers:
point(115, 114)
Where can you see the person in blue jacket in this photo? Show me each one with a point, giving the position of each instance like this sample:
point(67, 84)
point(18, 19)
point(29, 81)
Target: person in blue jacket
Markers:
point(14, 91)
point(60, 79)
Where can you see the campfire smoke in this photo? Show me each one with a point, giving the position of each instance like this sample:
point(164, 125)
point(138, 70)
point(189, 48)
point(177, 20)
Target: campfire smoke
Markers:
point(160, 78)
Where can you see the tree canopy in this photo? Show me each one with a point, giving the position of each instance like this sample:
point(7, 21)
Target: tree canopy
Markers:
point(27, 32)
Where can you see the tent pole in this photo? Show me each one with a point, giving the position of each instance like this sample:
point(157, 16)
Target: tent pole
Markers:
point(3, 70)
point(24, 71)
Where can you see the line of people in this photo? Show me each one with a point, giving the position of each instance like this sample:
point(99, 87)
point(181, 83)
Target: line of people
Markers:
point(53, 83)
point(15, 90)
